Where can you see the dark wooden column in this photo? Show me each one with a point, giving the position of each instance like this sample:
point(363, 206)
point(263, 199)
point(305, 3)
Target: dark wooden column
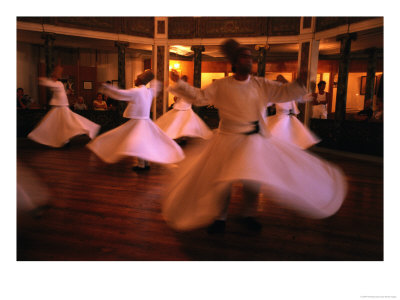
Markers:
point(121, 105)
point(49, 60)
point(340, 112)
point(197, 70)
point(48, 52)
point(371, 69)
point(303, 73)
point(261, 59)
point(197, 65)
point(121, 63)
point(160, 61)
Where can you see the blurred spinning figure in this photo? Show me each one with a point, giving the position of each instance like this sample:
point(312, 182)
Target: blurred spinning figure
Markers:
point(60, 124)
point(182, 121)
point(139, 137)
point(243, 150)
point(285, 125)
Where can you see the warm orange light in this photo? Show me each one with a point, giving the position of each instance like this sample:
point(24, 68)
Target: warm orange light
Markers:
point(175, 66)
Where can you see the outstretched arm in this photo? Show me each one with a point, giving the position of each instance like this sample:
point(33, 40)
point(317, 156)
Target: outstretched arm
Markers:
point(196, 96)
point(305, 98)
point(155, 87)
point(47, 82)
point(118, 94)
point(276, 92)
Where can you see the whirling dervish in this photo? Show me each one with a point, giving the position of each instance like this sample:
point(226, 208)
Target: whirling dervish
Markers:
point(285, 125)
point(60, 124)
point(181, 121)
point(242, 150)
point(139, 137)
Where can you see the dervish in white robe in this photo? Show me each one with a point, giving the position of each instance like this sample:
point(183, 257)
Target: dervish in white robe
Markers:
point(60, 124)
point(285, 125)
point(138, 137)
point(243, 150)
point(182, 121)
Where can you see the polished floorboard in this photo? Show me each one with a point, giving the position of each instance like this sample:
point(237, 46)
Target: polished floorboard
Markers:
point(100, 212)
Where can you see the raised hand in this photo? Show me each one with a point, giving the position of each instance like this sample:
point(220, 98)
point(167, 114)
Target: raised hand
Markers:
point(174, 75)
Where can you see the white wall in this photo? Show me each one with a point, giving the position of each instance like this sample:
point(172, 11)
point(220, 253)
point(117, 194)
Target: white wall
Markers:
point(133, 67)
point(28, 57)
point(354, 101)
point(27, 69)
point(107, 66)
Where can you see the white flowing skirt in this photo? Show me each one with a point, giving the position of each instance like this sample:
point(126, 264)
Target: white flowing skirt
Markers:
point(61, 124)
point(179, 123)
point(138, 138)
point(294, 178)
point(291, 130)
point(31, 191)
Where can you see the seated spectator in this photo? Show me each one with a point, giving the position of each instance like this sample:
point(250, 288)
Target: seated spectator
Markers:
point(23, 101)
point(111, 103)
point(80, 104)
point(378, 114)
point(366, 113)
point(99, 103)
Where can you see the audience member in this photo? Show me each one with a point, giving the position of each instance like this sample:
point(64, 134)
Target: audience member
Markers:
point(80, 104)
point(378, 114)
point(111, 103)
point(366, 113)
point(99, 103)
point(23, 101)
point(320, 102)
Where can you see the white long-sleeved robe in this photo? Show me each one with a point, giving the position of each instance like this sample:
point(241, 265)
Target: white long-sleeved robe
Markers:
point(291, 176)
point(182, 121)
point(139, 137)
point(285, 125)
point(60, 124)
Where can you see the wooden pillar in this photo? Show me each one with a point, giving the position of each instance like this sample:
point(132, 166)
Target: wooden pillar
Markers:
point(197, 65)
point(121, 63)
point(261, 59)
point(160, 75)
point(371, 70)
point(307, 68)
point(307, 62)
point(340, 110)
point(121, 72)
point(78, 86)
point(48, 52)
point(160, 65)
point(197, 70)
point(49, 60)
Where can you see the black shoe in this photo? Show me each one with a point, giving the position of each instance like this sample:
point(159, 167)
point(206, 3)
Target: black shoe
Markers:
point(139, 169)
point(217, 227)
point(182, 142)
point(251, 224)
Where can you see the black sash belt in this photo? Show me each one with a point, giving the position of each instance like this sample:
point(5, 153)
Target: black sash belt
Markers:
point(255, 130)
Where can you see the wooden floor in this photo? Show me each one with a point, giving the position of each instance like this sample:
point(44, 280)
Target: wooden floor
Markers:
point(106, 212)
